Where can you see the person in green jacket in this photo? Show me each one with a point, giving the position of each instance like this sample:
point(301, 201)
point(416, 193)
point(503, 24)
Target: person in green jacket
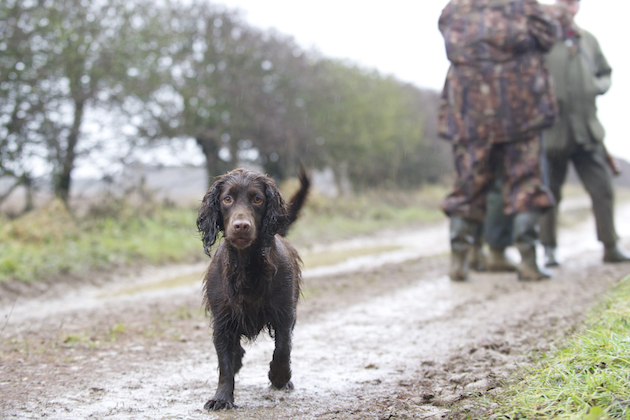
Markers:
point(580, 73)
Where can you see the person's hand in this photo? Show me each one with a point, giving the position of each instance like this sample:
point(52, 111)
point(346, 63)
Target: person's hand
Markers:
point(602, 84)
point(613, 164)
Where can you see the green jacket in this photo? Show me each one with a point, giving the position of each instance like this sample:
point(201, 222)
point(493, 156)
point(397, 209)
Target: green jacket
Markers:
point(580, 73)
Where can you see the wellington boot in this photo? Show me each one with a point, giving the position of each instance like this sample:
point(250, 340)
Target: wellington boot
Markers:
point(477, 258)
point(550, 257)
point(498, 261)
point(459, 265)
point(528, 268)
point(615, 254)
point(525, 238)
point(462, 234)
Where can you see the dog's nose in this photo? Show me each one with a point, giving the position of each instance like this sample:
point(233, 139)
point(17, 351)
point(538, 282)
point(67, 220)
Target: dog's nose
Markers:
point(241, 225)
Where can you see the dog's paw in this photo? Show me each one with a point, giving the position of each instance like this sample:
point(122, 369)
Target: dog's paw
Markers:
point(286, 387)
point(218, 404)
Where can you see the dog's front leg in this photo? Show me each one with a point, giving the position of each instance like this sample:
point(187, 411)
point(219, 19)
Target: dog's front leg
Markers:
point(225, 344)
point(280, 366)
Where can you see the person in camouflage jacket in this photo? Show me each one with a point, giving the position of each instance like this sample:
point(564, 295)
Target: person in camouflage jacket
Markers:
point(497, 98)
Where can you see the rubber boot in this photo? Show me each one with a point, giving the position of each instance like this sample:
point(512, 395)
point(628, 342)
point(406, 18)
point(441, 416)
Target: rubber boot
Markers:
point(615, 254)
point(497, 261)
point(477, 257)
point(550, 257)
point(525, 238)
point(462, 234)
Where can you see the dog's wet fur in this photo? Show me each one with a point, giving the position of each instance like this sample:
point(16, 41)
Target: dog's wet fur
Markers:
point(253, 281)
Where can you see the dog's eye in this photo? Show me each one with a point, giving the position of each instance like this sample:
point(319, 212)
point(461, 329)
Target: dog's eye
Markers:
point(227, 200)
point(257, 200)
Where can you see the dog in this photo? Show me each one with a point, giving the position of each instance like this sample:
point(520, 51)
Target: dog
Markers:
point(253, 281)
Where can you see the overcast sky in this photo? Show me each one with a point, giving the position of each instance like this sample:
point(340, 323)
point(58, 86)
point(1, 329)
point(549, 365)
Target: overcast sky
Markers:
point(400, 37)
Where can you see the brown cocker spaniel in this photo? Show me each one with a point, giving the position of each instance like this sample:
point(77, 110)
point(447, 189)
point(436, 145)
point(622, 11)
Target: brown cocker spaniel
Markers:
point(253, 281)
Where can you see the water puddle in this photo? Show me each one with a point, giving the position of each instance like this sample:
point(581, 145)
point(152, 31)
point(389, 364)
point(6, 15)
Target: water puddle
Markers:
point(324, 258)
point(170, 283)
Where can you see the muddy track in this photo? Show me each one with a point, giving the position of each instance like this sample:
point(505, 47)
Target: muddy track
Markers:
point(397, 340)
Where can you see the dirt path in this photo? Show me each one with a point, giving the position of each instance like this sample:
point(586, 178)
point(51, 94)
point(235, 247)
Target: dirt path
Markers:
point(377, 338)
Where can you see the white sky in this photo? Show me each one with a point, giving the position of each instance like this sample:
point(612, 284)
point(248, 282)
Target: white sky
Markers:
point(400, 37)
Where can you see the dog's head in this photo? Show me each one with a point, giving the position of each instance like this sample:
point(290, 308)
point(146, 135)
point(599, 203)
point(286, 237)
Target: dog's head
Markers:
point(245, 206)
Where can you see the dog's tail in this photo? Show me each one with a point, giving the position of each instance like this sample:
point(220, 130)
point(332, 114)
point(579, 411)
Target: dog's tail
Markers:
point(297, 201)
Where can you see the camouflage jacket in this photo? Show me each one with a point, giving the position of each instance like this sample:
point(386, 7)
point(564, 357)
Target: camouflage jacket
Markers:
point(498, 87)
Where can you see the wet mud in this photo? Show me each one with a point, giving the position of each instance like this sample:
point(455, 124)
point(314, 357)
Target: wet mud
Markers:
point(378, 337)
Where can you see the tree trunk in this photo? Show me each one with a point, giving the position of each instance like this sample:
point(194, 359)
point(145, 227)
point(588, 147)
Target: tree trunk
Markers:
point(214, 165)
point(28, 185)
point(64, 180)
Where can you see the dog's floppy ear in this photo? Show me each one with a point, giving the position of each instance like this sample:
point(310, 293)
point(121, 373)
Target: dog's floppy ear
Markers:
point(209, 220)
point(276, 216)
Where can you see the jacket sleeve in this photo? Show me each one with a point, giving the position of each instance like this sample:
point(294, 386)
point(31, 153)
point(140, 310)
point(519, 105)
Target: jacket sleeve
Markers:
point(542, 27)
point(603, 71)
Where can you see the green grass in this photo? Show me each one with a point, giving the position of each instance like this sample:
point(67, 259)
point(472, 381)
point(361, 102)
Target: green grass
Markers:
point(49, 242)
point(325, 219)
point(589, 378)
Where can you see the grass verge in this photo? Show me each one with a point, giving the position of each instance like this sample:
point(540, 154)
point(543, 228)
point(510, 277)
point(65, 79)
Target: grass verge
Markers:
point(50, 242)
point(328, 219)
point(588, 379)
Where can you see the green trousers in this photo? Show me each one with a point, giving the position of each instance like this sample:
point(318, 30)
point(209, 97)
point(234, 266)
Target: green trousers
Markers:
point(593, 171)
point(498, 227)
